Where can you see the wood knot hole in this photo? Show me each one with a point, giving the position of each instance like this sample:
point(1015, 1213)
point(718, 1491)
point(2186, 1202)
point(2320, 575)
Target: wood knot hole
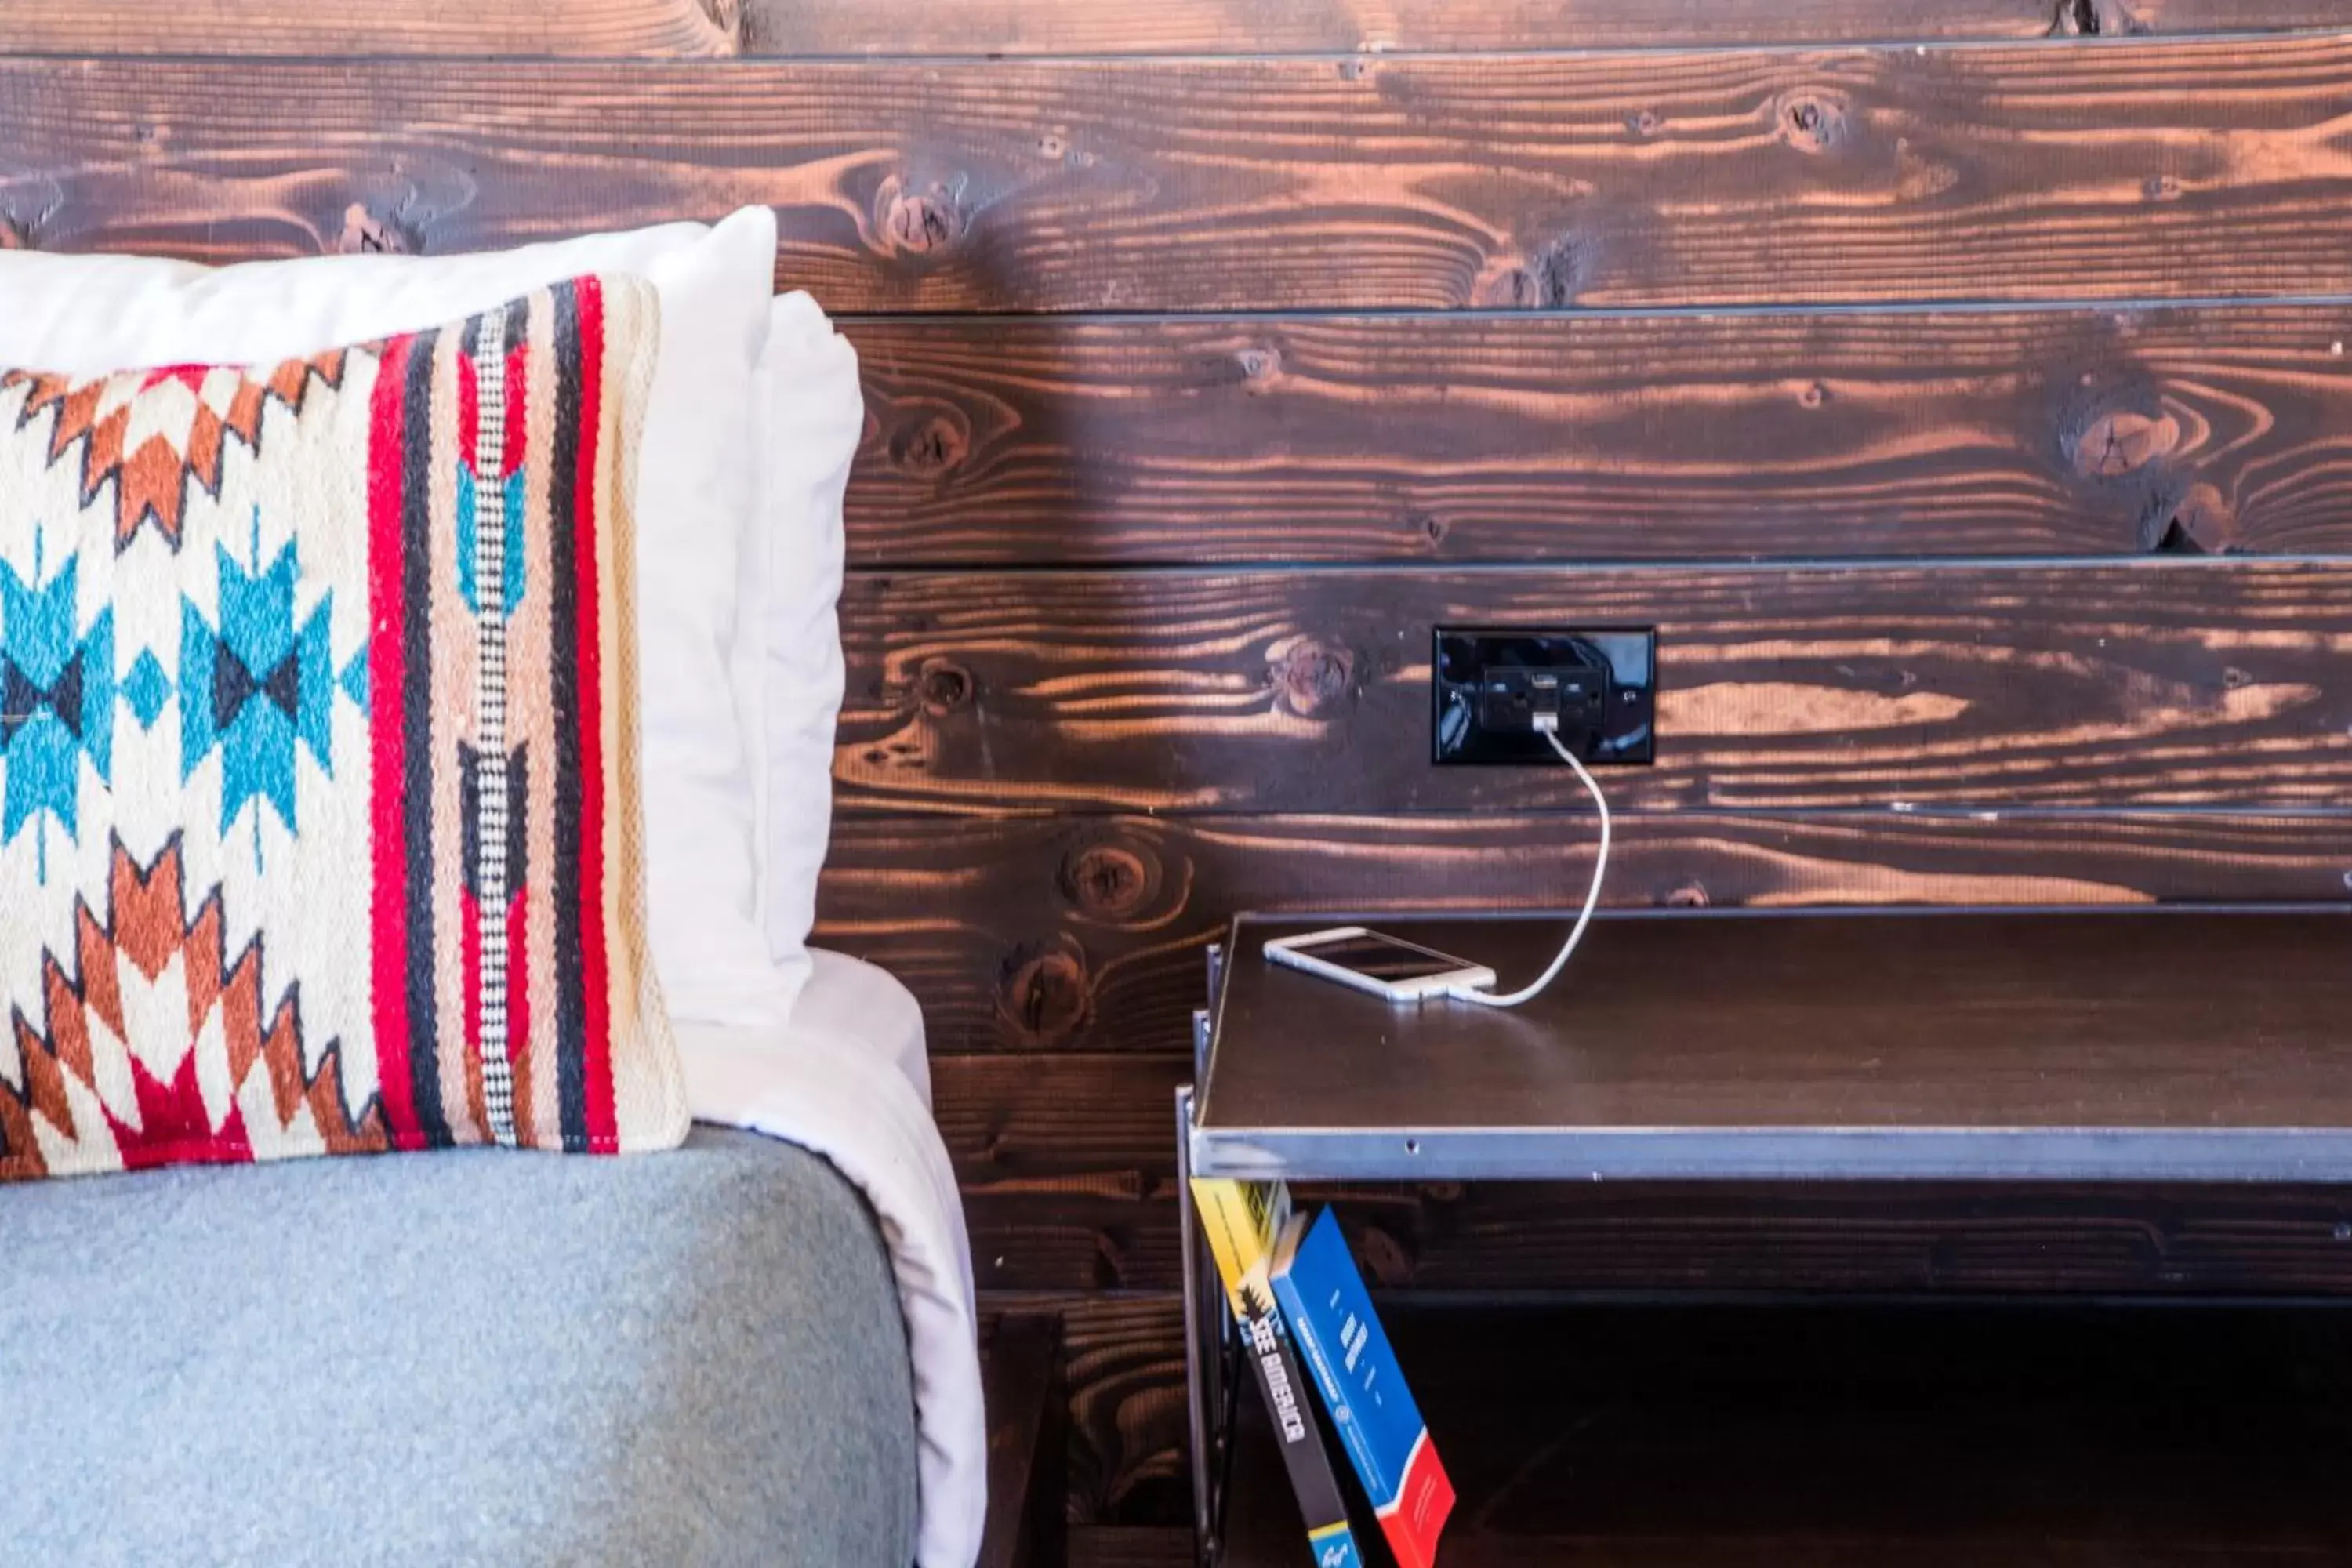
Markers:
point(2123, 441)
point(2094, 19)
point(942, 687)
point(1311, 677)
point(1045, 996)
point(1109, 882)
point(932, 446)
point(919, 222)
point(364, 234)
point(1689, 896)
point(1812, 121)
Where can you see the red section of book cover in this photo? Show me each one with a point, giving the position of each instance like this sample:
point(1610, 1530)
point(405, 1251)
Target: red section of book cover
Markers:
point(1414, 1522)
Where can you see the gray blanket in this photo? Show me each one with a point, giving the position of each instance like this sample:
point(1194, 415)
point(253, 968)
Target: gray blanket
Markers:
point(464, 1358)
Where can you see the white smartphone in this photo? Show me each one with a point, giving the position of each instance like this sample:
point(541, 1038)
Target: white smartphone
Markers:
point(1385, 965)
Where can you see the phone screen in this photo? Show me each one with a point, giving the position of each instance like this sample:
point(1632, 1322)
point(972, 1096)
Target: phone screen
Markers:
point(1378, 957)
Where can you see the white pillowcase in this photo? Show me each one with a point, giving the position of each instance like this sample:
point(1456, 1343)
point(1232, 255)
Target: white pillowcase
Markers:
point(697, 499)
point(812, 411)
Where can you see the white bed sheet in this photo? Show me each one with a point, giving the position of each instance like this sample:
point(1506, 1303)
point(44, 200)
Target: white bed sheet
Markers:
point(848, 1078)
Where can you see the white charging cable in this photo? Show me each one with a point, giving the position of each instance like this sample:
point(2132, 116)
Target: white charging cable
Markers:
point(1591, 899)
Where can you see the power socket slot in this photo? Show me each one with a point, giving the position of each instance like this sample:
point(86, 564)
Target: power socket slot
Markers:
point(1491, 684)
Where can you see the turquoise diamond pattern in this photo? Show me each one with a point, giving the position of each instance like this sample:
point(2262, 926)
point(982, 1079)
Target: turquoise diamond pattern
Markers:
point(147, 689)
point(255, 688)
point(57, 700)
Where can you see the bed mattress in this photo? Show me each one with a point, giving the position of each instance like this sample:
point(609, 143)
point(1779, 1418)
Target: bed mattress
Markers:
point(464, 1358)
point(713, 1356)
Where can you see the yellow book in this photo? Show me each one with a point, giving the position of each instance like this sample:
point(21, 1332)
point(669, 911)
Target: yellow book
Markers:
point(1243, 1220)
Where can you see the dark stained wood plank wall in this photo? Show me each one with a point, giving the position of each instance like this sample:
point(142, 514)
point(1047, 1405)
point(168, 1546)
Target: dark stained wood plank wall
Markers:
point(1069, 1176)
point(884, 28)
point(2153, 682)
point(1055, 933)
point(358, 27)
point(1412, 440)
point(1230, 27)
point(2200, 168)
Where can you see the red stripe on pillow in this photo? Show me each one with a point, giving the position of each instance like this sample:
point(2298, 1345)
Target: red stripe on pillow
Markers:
point(387, 673)
point(596, 1012)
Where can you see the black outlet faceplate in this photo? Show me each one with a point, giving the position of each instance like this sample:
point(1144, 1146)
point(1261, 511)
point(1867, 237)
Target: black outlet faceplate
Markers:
point(1488, 681)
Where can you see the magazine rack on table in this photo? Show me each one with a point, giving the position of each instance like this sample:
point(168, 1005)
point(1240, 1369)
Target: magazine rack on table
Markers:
point(2174, 1045)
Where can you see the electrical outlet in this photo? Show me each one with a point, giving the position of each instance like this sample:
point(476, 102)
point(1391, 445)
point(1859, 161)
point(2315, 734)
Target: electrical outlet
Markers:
point(1598, 686)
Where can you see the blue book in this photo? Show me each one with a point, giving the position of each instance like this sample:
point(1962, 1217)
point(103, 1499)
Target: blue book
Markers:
point(1331, 1318)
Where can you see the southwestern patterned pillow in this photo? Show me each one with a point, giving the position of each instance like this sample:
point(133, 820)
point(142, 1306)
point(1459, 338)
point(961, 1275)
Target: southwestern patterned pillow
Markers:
point(317, 776)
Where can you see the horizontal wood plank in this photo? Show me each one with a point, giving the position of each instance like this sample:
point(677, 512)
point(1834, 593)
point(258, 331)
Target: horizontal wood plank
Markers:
point(1024, 934)
point(1067, 441)
point(2152, 682)
point(1224, 27)
point(1069, 1170)
point(355, 28)
point(1910, 1240)
point(881, 28)
point(2190, 168)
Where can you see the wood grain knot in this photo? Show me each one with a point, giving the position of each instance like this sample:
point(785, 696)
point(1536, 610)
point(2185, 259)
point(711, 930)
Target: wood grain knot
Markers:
point(2199, 522)
point(942, 686)
point(1261, 365)
point(1044, 998)
point(727, 16)
point(1111, 881)
point(2123, 441)
point(1384, 1256)
point(918, 222)
point(1688, 896)
point(1549, 279)
point(2160, 188)
point(364, 234)
point(932, 446)
point(2094, 19)
point(1311, 677)
point(1645, 123)
point(1814, 121)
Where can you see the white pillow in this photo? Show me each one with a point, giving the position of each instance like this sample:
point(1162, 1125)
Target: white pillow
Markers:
point(811, 413)
point(698, 495)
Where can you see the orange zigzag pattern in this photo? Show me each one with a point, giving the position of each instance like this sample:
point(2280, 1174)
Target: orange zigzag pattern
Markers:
point(145, 928)
point(152, 481)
